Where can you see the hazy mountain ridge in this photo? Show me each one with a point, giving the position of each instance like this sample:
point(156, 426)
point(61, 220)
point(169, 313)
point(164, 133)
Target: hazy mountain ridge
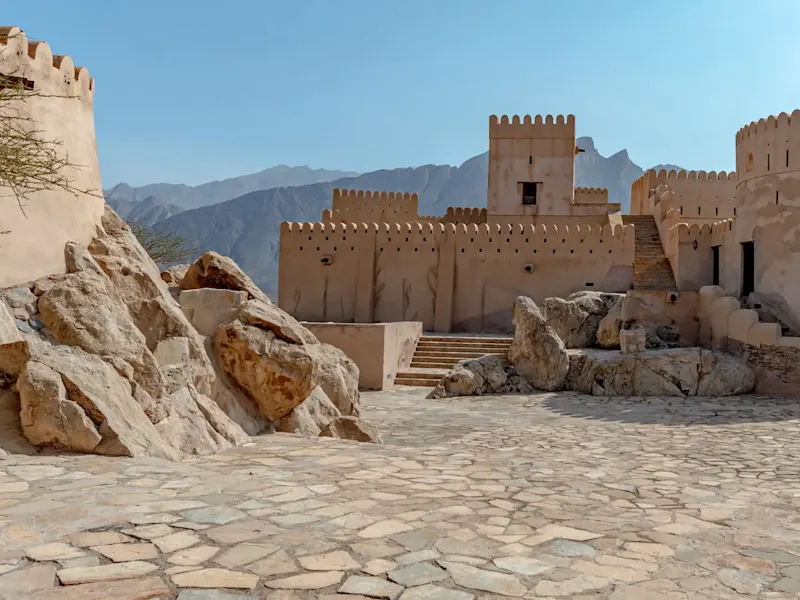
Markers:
point(213, 192)
point(247, 228)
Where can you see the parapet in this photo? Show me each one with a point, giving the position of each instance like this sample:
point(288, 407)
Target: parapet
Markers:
point(769, 146)
point(696, 193)
point(457, 214)
point(590, 195)
point(532, 127)
point(36, 66)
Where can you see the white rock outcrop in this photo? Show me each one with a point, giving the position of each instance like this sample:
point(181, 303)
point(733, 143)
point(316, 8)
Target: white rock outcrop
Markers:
point(663, 372)
point(537, 352)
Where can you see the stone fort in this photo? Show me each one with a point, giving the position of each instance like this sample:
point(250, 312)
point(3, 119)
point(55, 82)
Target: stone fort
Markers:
point(372, 258)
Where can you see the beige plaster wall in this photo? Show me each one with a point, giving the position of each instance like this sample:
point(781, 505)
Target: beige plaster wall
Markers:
point(64, 113)
point(538, 149)
point(450, 278)
point(360, 206)
point(696, 194)
point(378, 349)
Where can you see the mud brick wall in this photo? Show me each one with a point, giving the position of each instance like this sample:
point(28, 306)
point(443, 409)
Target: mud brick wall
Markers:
point(777, 367)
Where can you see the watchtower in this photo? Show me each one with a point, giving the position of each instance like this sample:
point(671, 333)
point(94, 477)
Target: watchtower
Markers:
point(531, 165)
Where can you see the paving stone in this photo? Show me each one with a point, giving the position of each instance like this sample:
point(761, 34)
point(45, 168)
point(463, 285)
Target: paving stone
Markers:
point(788, 585)
point(376, 549)
point(30, 579)
point(433, 592)
point(417, 574)
point(193, 556)
point(523, 565)
point(128, 589)
point(372, 587)
point(111, 572)
point(149, 532)
point(217, 515)
point(307, 581)
point(742, 581)
point(569, 548)
point(53, 551)
point(215, 578)
point(84, 561)
point(570, 587)
point(279, 563)
point(85, 539)
point(379, 566)
point(127, 552)
point(418, 556)
point(384, 529)
point(778, 556)
point(488, 581)
point(176, 541)
point(241, 531)
point(244, 554)
point(332, 561)
point(212, 595)
point(153, 519)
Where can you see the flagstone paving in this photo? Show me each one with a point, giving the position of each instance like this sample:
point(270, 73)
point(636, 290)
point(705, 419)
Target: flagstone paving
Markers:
point(542, 496)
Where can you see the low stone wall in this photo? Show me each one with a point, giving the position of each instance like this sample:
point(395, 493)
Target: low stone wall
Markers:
point(777, 367)
point(378, 349)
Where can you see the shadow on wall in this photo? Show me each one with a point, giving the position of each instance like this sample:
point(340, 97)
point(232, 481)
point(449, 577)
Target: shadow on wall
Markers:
point(675, 411)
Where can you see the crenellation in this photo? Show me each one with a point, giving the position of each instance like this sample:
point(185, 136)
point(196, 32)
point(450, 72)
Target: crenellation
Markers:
point(527, 127)
point(768, 146)
point(35, 61)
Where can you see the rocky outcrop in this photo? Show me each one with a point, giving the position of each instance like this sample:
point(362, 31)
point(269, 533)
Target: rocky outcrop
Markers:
point(310, 417)
point(215, 271)
point(14, 352)
point(666, 372)
point(352, 428)
point(174, 275)
point(576, 318)
point(657, 335)
point(474, 377)
point(537, 351)
point(75, 401)
point(609, 327)
point(293, 379)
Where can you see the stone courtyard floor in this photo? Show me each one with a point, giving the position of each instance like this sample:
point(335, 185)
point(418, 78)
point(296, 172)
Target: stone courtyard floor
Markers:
point(544, 496)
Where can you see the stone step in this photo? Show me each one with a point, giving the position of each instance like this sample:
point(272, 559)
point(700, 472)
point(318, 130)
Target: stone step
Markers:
point(468, 339)
point(426, 344)
point(413, 382)
point(454, 353)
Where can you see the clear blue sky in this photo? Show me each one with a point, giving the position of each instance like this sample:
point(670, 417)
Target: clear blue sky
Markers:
point(191, 90)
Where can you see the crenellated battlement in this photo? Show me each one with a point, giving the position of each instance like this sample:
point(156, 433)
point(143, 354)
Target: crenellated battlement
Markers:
point(374, 196)
point(768, 146)
point(457, 214)
point(694, 194)
point(528, 127)
point(590, 195)
point(34, 62)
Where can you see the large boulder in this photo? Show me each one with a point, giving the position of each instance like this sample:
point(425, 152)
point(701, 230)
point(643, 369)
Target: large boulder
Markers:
point(138, 284)
point(352, 428)
point(14, 352)
point(312, 416)
point(84, 310)
point(277, 362)
point(72, 400)
point(473, 377)
point(213, 270)
point(665, 372)
point(537, 353)
point(609, 327)
point(576, 318)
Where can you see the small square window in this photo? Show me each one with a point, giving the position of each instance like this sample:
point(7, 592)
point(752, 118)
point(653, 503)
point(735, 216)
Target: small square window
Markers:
point(529, 192)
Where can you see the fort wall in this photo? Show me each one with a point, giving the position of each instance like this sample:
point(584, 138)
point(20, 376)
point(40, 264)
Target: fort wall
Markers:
point(698, 196)
point(359, 206)
point(584, 195)
point(449, 277)
point(537, 150)
point(62, 109)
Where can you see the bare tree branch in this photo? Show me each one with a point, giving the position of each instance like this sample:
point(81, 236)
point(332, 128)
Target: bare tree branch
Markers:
point(162, 246)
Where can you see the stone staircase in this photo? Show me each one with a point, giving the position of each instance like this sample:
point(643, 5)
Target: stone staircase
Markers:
point(437, 354)
point(651, 268)
point(786, 331)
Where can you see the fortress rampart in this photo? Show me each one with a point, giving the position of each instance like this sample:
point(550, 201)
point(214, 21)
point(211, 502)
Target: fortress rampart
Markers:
point(697, 195)
point(369, 206)
point(528, 127)
point(61, 104)
point(450, 277)
point(769, 146)
point(584, 195)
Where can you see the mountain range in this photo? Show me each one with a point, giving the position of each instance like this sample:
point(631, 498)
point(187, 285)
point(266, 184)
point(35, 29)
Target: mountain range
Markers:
point(245, 225)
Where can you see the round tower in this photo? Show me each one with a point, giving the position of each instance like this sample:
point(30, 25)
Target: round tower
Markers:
point(60, 104)
point(767, 248)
